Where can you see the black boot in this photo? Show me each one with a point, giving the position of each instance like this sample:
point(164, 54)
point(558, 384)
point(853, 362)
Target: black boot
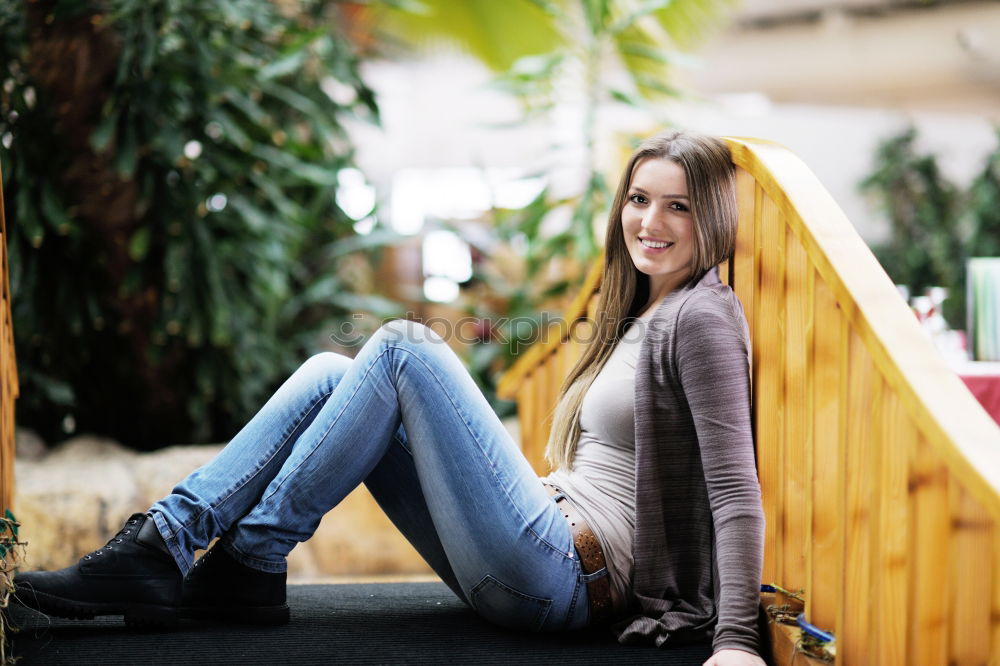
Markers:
point(219, 588)
point(132, 575)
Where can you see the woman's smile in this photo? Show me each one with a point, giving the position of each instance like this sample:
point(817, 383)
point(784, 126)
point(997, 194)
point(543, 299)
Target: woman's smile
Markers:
point(654, 246)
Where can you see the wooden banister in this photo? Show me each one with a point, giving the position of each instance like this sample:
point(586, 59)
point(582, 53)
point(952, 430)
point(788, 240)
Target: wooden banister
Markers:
point(879, 471)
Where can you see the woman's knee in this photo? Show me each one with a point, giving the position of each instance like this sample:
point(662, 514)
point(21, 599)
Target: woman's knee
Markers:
point(406, 331)
point(325, 365)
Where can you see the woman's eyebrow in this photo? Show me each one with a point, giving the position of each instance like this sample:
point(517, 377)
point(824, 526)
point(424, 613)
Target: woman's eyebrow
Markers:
point(665, 196)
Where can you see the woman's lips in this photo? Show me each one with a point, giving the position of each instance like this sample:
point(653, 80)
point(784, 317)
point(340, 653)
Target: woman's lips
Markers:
point(654, 250)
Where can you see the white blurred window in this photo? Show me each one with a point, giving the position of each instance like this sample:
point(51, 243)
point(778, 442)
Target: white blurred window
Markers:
point(356, 198)
point(452, 194)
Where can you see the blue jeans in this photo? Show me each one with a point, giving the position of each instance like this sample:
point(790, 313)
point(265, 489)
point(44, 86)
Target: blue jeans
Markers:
point(405, 418)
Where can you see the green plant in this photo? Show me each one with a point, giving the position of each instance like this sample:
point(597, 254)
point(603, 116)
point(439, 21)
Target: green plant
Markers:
point(11, 549)
point(560, 44)
point(926, 245)
point(541, 47)
point(984, 207)
point(171, 174)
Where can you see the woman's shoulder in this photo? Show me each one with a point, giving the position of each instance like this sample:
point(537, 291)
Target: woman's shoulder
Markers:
point(705, 306)
point(716, 297)
point(709, 299)
point(711, 315)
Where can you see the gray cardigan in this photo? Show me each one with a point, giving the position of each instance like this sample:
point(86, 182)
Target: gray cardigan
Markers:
point(699, 529)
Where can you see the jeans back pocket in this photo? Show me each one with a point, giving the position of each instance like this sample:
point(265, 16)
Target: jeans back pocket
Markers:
point(507, 607)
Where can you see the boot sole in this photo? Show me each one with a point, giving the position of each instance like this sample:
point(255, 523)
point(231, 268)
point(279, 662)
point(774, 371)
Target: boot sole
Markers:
point(258, 615)
point(135, 615)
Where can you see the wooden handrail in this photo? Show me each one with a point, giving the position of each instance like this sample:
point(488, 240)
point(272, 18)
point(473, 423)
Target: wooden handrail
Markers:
point(880, 473)
point(931, 391)
point(552, 341)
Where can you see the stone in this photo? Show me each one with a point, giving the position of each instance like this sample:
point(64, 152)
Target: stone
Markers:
point(28, 445)
point(73, 500)
point(70, 502)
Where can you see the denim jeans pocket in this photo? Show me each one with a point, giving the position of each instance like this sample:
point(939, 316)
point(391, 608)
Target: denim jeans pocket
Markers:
point(507, 607)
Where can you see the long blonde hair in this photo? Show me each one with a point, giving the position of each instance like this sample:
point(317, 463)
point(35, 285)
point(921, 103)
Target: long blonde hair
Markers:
point(624, 291)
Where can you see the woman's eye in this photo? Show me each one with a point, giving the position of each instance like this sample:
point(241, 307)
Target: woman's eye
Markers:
point(637, 199)
point(678, 206)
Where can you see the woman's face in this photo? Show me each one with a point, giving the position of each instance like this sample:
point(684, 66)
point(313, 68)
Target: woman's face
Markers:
point(657, 223)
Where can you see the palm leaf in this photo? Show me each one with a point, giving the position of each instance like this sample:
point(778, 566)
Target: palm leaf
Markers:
point(496, 33)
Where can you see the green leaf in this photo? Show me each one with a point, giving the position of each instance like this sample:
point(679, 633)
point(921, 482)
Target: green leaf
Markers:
point(297, 101)
point(689, 22)
point(626, 98)
point(497, 33)
point(127, 153)
point(284, 66)
point(138, 246)
point(377, 238)
point(366, 303)
point(551, 8)
point(57, 391)
point(102, 135)
point(52, 208)
point(631, 18)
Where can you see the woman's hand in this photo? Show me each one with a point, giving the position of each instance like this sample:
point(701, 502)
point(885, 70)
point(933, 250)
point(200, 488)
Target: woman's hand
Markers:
point(734, 658)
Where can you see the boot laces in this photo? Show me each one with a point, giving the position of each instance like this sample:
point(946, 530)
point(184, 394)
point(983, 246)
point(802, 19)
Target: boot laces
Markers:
point(126, 530)
point(204, 557)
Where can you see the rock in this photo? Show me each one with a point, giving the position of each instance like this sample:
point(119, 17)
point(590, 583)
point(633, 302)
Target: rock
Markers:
point(28, 445)
point(159, 471)
point(73, 500)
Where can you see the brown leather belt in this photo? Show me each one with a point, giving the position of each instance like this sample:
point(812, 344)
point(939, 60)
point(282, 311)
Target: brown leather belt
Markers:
point(588, 548)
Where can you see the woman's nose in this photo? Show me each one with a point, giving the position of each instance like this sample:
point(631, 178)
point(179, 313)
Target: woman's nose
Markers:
point(653, 219)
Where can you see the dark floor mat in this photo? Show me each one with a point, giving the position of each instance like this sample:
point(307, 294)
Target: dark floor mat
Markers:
point(398, 623)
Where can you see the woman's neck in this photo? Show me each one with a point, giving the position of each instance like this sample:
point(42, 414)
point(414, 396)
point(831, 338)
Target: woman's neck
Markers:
point(659, 290)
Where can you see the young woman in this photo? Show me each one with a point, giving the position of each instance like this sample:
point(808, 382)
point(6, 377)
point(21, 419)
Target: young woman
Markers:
point(651, 522)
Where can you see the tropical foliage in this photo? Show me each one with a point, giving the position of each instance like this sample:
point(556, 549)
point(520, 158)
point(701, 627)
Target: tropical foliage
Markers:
point(935, 226)
point(606, 53)
point(541, 46)
point(984, 204)
point(170, 170)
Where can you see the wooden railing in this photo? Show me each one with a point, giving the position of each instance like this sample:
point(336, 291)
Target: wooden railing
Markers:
point(8, 375)
point(880, 473)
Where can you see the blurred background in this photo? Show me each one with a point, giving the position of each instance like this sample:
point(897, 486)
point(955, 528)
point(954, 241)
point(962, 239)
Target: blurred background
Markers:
point(200, 195)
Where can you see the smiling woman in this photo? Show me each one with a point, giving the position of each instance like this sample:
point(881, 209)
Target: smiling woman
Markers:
point(677, 449)
point(651, 526)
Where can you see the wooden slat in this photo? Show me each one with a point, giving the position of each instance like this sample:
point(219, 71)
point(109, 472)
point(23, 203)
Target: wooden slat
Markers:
point(840, 574)
point(526, 416)
point(992, 588)
point(745, 269)
point(796, 400)
point(829, 342)
point(857, 595)
point(768, 345)
point(929, 528)
point(542, 380)
point(548, 386)
point(969, 609)
point(891, 562)
point(808, 446)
